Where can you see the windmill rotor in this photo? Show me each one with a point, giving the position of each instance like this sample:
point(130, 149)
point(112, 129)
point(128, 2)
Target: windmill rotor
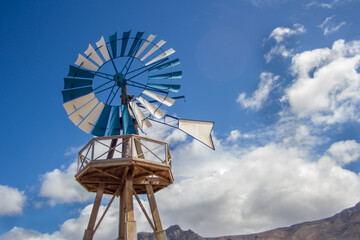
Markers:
point(119, 85)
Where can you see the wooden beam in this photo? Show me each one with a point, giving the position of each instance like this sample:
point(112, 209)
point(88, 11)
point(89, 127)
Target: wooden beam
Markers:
point(144, 211)
point(89, 232)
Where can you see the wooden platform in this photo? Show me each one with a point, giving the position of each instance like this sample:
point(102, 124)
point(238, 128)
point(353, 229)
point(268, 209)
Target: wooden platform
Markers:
point(108, 160)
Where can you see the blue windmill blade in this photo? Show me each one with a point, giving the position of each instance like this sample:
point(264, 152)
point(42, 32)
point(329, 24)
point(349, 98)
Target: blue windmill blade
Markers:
point(170, 75)
point(75, 93)
point(135, 43)
point(114, 126)
point(124, 42)
point(101, 124)
point(165, 87)
point(113, 44)
point(76, 82)
point(172, 63)
point(127, 122)
point(78, 72)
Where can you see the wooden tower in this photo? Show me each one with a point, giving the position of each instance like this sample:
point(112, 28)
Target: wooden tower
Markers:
point(125, 166)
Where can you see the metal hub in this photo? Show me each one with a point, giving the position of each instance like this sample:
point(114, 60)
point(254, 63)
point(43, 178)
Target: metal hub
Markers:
point(119, 79)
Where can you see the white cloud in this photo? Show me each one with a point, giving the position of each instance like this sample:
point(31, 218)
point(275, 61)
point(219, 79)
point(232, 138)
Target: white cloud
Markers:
point(266, 3)
point(280, 34)
point(255, 190)
point(11, 201)
point(328, 26)
point(327, 3)
point(73, 229)
point(241, 189)
point(61, 187)
point(278, 50)
point(235, 135)
point(326, 87)
point(255, 102)
point(344, 152)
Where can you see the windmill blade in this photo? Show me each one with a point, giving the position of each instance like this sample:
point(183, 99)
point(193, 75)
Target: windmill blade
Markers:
point(89, 122)
point(113, 44)
point(127, 122)
point(125, 40)
point(75, 93)
point(156, 47)
point(101, 125)
point(77, 103)
point(78, 72)
point(135, 43)
point(145, 44)
point(85, 63)
point(77, 116)
point(166, 87)
point(76, 82)
point(170, 75)
point(201, 130)
point(114, 126)
point(161, 56)
point(141, 119)
point(172, 63)
point(103, 49)
point(155, 111)
point(91, 53)
point(160, 98)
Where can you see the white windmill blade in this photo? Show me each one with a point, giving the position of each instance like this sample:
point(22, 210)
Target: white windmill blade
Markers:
point(103, 49)
point(155, 111)
point(141, 119)
point(156, 47)
point(89, 122)
point(91, 53)
point(77, 103)
point(201, 130)
point(144, 46)
point(161, 56)
point(85, 63)
point(168, 101)
point(77, 116)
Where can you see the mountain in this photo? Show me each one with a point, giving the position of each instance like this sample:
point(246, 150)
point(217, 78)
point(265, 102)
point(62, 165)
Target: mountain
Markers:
point(342, 226)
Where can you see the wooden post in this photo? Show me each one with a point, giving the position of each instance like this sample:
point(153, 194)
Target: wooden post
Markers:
point(131, 233)
point(122, 222)
point(89, 232)
point(160, 233)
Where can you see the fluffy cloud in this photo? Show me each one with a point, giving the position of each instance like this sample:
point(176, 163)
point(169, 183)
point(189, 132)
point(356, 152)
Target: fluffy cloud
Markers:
point(280, 34)
point(328, 25)
point(60, 186)
point(255, 102)
point(255, 190)
point(326, 87)
point(73, 229)
point(243, 190)
point(11, 201)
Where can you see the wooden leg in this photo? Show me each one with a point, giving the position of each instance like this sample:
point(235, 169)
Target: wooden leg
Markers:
point(160, 233)
point(122, 222)
point(88, 235)
point(131, 233)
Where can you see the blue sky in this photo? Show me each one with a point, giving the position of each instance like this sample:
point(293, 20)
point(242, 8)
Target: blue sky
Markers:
point(280, 79)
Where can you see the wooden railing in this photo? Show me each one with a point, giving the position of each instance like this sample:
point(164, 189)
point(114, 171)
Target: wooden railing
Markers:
point(124, 147)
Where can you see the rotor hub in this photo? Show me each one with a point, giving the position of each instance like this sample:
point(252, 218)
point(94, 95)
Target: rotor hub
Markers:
point(120, 79)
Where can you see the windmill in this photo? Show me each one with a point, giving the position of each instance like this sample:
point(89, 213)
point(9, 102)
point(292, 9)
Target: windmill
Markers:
point(115, 91)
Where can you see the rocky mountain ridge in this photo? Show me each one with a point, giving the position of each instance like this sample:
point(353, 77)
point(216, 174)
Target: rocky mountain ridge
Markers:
point(342, 226)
